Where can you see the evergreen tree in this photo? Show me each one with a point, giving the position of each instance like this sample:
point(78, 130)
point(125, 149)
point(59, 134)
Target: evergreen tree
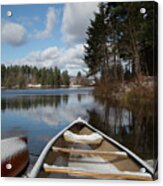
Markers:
point(65, 78)
point(118, 33)
point(20, 76)
point(3, 74)
point(43, 76)
point(57, 77)
point(21, 81)
point(96, 50)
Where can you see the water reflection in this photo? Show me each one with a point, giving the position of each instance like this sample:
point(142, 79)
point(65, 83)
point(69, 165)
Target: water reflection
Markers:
point(79, 97)
point(29, 102)
point(134, 126)
point(40, 117)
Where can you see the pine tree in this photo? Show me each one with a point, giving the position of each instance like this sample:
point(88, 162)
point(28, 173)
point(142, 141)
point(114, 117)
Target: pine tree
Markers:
point(118, 33)
point(57, 77)
point(96, 50)
point(65, 78)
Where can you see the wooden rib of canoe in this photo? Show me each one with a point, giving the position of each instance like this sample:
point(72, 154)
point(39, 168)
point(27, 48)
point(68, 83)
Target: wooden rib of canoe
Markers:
point(62, 158)
point(14, 156)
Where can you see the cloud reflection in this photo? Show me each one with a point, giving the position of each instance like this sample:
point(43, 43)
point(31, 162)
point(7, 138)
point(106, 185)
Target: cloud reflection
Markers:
point(64, 113)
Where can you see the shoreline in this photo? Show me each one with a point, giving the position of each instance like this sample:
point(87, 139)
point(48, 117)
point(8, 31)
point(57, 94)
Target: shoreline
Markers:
point(46, 88)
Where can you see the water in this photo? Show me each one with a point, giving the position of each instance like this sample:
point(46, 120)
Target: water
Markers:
point(41, 114)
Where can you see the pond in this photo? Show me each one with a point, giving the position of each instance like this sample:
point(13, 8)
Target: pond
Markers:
point(40, 114)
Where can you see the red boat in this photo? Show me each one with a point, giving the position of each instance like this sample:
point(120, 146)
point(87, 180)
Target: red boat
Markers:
point(14, 156)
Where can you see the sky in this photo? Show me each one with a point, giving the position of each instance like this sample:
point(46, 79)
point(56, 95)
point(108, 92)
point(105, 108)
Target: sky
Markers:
point(46, 35)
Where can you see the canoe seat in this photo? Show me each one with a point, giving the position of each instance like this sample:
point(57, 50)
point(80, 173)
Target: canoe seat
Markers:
point(95, 174)
point(93, 138)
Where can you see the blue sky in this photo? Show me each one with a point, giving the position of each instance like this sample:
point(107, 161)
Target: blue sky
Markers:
point(46, 35)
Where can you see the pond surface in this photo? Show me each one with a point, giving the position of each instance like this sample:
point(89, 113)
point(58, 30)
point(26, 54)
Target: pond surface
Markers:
point(40, 114)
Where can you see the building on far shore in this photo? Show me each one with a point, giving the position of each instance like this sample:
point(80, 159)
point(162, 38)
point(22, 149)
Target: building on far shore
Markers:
point(34, 85)
point(82, 83)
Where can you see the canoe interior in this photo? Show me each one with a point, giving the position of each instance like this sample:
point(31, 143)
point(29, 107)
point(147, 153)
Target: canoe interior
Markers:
point(98, 162)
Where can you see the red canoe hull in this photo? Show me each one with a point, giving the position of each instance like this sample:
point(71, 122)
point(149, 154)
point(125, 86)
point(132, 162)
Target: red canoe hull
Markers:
point(17, 162)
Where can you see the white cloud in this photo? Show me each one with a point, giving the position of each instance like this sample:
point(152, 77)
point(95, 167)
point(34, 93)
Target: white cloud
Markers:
point(13, 33)
point(76, 19)
point(51, 18)
point(70, 59)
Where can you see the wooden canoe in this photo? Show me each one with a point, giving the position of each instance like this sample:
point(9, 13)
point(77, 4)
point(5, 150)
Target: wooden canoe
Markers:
point(81, 158)
point(14, 156)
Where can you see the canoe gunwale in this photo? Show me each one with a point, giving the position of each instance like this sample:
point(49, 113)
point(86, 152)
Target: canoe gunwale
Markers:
point(43, 154)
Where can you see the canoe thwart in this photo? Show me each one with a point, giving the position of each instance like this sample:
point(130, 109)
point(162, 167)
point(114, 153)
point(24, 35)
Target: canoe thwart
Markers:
point(111, 175)
point(94, 152)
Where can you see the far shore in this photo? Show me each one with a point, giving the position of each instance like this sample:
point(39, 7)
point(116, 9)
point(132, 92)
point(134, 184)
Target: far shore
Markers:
point(46, 87)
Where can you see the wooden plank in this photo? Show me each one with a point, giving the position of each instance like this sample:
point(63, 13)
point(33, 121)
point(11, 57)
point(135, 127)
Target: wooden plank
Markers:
point(121, 175)
point(95, 152)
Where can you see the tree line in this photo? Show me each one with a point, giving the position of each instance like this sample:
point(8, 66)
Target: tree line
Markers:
point(122, 42)
point(20, 76)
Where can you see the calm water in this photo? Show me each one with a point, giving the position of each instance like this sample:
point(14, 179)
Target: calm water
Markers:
point(41, 114)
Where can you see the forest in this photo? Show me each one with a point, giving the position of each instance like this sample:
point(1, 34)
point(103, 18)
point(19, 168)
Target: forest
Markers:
point(20, 76)
point(121, 44)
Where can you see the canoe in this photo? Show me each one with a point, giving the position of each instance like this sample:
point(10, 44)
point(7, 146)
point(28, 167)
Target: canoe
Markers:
point(82, 151)
point(14, 156)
